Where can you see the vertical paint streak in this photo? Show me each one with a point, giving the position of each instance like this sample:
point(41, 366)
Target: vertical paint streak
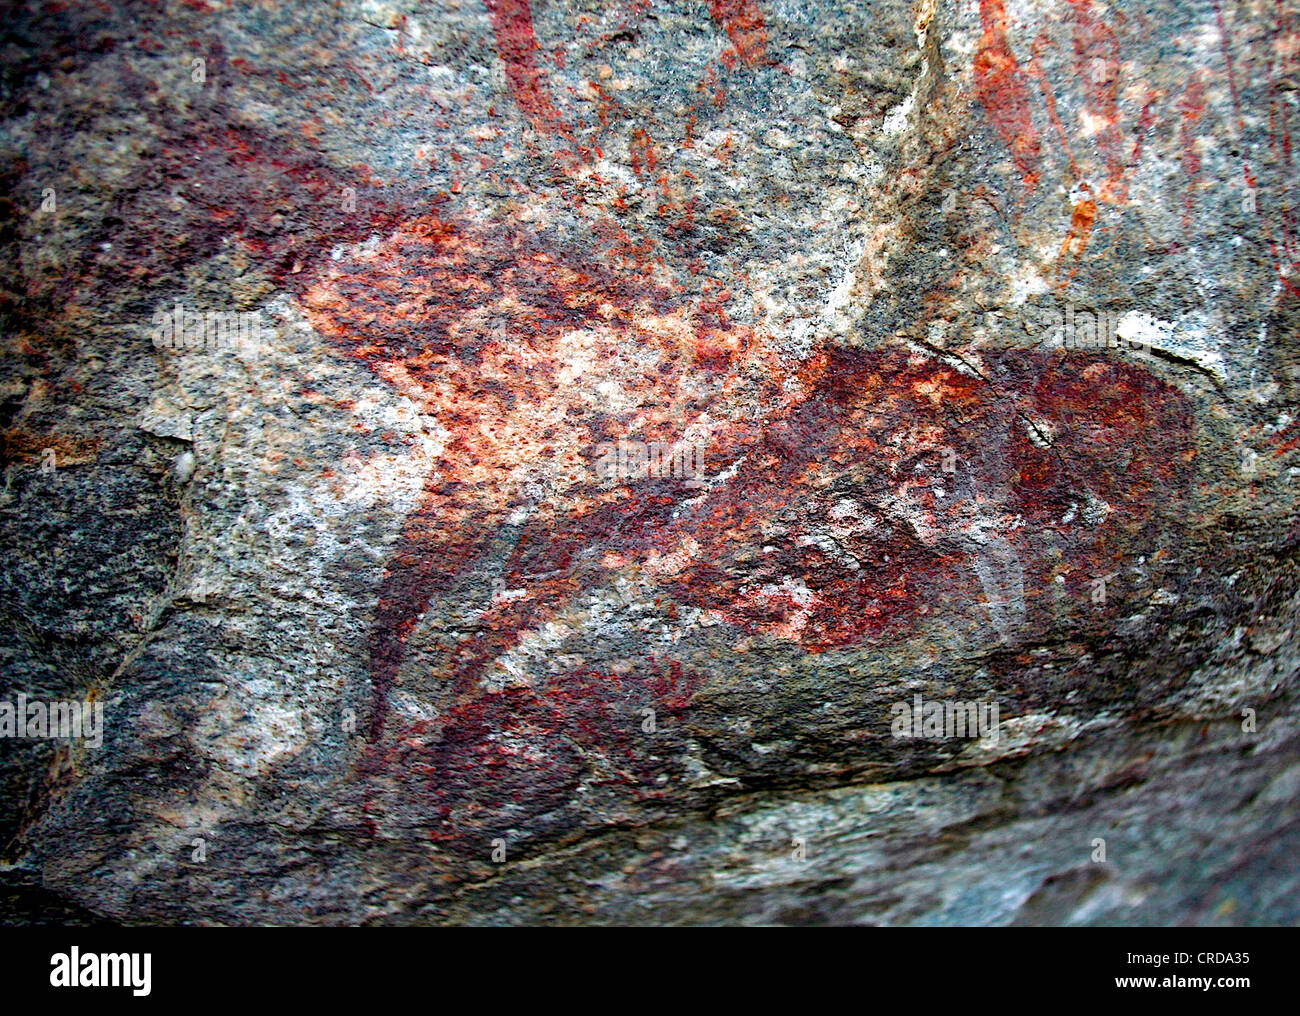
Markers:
point(1282, 255)
point(1096, 61)
point(1286, 47)
point(1035, 70)
point(512, 21)
point(1000, 86)
point(1192, 109)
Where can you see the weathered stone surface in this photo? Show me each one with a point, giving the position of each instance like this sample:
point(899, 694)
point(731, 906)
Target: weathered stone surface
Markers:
point(967, 331)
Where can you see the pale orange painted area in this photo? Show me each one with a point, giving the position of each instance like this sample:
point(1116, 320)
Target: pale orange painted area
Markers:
point(1081, 223)
point(523, 402)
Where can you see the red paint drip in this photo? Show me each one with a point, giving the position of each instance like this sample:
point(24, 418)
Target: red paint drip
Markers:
point(1192, 109)
point(512, 21)
point(1096, 56)
point(1000, 86)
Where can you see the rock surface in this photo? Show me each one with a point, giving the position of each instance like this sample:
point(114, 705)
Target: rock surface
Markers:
point(617, 416)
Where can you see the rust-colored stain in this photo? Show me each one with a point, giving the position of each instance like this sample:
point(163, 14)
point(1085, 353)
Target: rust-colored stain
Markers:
point(743, 22)
point(838, 523)
point(1081, 223)
point(499, 338)
point(19, 446)
point(1003, 90)
point(513, 349)
point(1192, 108)
point(1097, 64)
point(512, 21)
point(1099, 81)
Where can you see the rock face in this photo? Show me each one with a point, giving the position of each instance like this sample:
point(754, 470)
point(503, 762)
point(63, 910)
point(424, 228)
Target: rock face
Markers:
point(682, 461)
